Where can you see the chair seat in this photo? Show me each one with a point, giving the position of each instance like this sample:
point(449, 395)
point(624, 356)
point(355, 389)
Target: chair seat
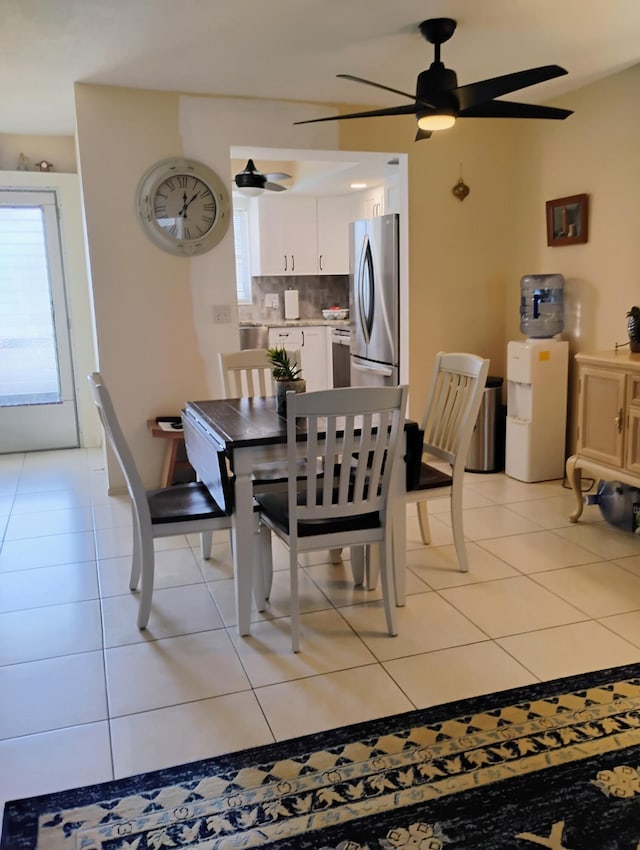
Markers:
point(430, 478)
point(276, 507)
point(181, 503)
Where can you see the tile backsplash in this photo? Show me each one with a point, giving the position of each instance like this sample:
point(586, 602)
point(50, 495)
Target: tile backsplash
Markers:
point(315, 293)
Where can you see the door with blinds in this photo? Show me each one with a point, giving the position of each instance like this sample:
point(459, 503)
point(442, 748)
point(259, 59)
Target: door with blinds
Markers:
point(37, 398)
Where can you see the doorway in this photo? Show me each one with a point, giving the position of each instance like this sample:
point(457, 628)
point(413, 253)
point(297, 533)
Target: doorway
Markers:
point(37, 397)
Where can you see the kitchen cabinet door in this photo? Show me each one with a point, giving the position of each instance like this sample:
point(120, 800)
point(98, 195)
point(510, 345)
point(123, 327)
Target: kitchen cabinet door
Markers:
point(311, 342)
point(372, 203)
point(284, 235)
point(334, 215)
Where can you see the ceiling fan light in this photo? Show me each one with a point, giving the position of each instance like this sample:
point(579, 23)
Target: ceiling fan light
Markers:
point(436, 121)
point(251, 191)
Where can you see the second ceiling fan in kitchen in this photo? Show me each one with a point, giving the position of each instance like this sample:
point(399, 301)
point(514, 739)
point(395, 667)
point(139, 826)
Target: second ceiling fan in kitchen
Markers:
point(439, 100)
point(250, 181)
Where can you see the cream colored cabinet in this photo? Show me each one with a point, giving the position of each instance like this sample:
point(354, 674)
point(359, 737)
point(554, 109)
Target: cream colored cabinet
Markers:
point(608, 435)
point(283, 233)
point(312, 343)
point(333, 217)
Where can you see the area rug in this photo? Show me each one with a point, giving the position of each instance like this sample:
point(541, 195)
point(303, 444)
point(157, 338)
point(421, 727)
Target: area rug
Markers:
point(553, 765)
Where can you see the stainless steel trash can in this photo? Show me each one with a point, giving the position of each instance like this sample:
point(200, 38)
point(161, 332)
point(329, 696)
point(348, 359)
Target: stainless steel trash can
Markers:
point(485, 452)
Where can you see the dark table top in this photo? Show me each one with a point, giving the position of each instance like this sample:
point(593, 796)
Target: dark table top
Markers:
point(241, 422)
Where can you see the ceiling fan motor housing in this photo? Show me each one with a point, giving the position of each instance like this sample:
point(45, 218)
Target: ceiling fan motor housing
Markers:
point(435, 86)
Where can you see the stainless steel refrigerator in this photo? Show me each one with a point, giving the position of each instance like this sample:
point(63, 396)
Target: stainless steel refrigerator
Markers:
point(374, 292)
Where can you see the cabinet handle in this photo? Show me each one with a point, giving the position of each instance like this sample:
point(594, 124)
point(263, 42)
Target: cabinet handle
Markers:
point(285, 262)
point(293, 263)
point(302, 332)
point(321, 269)
point(618, 421)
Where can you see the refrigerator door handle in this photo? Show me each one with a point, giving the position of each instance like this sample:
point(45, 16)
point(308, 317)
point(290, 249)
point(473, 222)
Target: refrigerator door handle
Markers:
point(387, 371)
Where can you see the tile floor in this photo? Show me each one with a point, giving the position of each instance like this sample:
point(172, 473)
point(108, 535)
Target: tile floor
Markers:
point(85, 697)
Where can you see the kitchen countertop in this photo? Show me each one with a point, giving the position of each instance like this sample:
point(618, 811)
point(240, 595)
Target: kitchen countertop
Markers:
point(297, 323)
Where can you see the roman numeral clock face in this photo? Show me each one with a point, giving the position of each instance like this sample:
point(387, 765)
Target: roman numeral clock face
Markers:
point(183, 206)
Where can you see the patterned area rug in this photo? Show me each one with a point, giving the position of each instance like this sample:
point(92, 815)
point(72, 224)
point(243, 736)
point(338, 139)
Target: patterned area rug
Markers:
point(554, 765)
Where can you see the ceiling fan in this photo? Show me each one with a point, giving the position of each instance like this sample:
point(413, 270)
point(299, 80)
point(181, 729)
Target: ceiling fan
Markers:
point(250, 181)
point(439, 101)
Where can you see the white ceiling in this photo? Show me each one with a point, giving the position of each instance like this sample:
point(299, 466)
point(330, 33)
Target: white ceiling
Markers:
point(293, 49)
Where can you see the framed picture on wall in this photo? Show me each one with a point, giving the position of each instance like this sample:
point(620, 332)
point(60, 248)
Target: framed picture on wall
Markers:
point(568, 220)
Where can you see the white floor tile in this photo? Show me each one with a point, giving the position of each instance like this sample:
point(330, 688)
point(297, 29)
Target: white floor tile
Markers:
point(511, 606)
point(42, 695)
point(569, 650)
point(330, 700)
point(48, 586)
point(45, 523)
point(625, 625)
point(327, 644)
point(170, 736)
point(172, 568)
point(427, 622)
point(603, 539)
point(438, 566)
point(539, 551)
point(597, 589)
point(336, 582)
point(311, 598)
point(54, 761)
point(462, 671)
point(496, 521)
point(159, 673)
point(47, 551)
point(174, 611)
point(51, 631)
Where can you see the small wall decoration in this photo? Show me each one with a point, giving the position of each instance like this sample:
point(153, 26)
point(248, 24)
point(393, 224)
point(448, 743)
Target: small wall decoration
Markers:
point(568, 220)
point(43, 165)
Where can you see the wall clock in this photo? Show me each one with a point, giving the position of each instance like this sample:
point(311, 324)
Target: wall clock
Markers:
point(183, 206)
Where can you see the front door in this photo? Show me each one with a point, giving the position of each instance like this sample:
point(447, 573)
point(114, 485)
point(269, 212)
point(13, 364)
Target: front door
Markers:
point(37, 398)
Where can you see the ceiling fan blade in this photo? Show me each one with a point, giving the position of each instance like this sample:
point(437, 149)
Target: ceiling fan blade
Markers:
point(510, 109)
point(422, 134)
point(386, 88)
point(485, 90)
point(277, 175)
point(411, 109)
point(274, 187)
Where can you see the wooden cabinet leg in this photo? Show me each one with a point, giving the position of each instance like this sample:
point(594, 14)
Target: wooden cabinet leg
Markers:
point(169, 465)
point(574, 477)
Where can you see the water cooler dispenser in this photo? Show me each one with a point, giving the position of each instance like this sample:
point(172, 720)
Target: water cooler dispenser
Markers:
point(537, 371)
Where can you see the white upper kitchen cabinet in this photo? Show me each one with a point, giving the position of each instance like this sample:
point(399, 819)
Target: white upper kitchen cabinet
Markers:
point(283, 235)
point(334, 216)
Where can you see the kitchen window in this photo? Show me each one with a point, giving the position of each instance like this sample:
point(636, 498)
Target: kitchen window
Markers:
point(242, 250)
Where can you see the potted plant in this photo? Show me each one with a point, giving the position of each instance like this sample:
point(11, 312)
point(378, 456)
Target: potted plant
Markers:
point(286, 375)
point(633, 327)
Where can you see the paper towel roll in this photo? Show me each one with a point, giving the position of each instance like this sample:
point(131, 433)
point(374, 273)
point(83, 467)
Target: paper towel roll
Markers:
point(291, 310)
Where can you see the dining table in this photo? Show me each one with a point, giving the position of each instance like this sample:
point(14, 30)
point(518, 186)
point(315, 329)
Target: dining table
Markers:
point(251, 431)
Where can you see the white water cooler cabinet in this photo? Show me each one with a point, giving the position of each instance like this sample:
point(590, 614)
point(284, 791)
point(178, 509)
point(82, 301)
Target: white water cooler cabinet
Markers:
point(537, 372)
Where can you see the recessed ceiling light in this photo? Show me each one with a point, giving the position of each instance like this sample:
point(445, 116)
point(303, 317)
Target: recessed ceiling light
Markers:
point(357, 185)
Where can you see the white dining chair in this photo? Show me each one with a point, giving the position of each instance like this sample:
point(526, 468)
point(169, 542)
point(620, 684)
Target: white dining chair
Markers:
point(246, 373)
point(450, 416)
point(170, 511)
point(350, 508)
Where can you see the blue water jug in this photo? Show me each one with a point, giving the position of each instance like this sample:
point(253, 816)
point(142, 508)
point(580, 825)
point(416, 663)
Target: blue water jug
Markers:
point(541, 305)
